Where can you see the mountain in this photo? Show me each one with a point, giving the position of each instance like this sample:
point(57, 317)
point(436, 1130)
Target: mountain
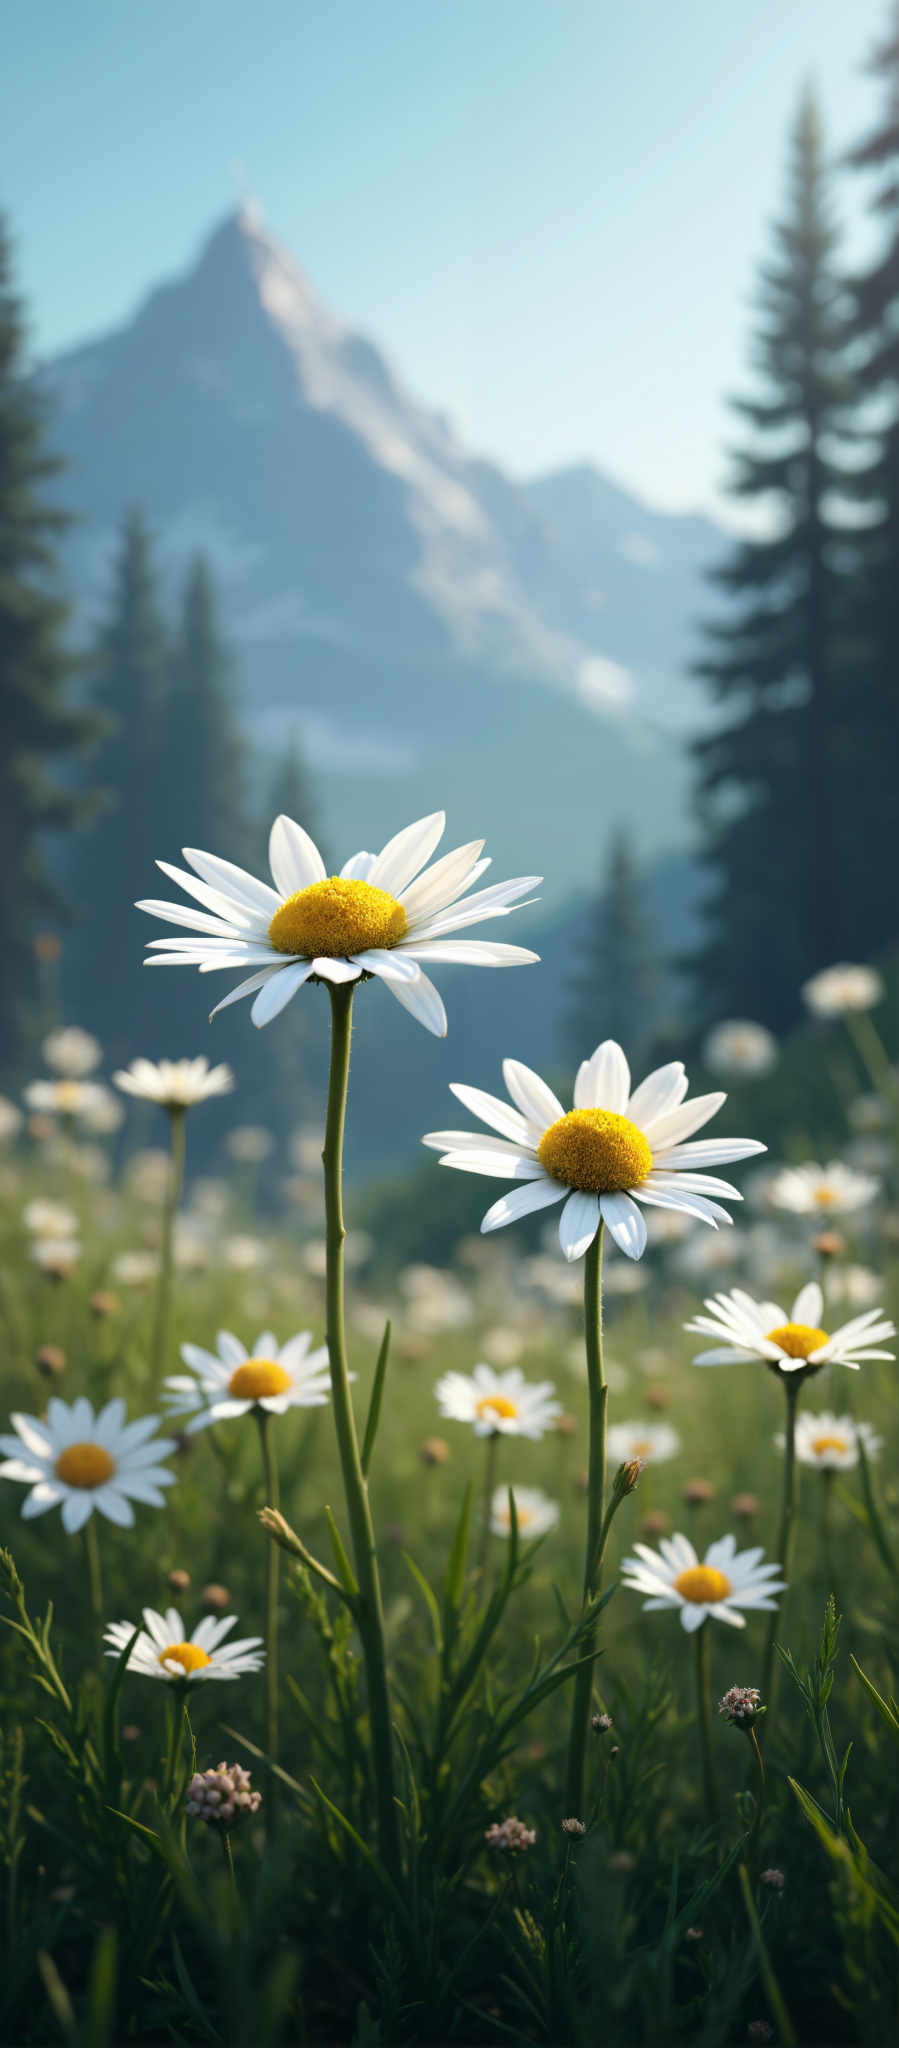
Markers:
point(432, 630)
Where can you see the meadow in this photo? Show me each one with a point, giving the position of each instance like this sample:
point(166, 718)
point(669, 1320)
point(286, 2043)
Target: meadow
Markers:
point(472, 1869)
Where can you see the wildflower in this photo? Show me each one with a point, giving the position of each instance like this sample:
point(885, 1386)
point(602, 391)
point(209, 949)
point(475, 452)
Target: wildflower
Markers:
point(135, 1269)
point(49, 1219)
point(535, 1513)
point(57, 1256)
point(215, 1597)
point(814, 1190)
point(232, 1381)
point(621, 1863)
point(837, 991)
point(601, 1723)
point(856, 1285)
point(176, 1084)
point(434, 1451)
point(698, 1493)
point(179, 1580)
point(222, 1795)
point(244, 1253)
point(249, 1144)
point(612, 1146)
point(787, 1343)
point(51, 1361)
point(164, 1650)
point(774, 1879)
point(103, 1304)
point(831, 1441)
point(656, 1523)
point(374, 918)
point(148, 1174)
point(740, 1048)
point(829, 1244)
point(72, 1052)
point(741, 1705)
point(573, 1827)
point(511, 1834)
point(724, 1582)
point(744, 1506)
point(643, 1440)
point(78, 1461)
point(11, 1120)
point(66, 1097)
point(498, 1403)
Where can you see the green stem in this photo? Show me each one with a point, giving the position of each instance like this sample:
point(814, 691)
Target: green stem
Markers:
point(228, 1858)
point(177, 1719)
point(752, 1839)
point(704, 1722)
point(597, 1524)
point(177, 1119)
point(270, 1470)
point(489, 1486)
point(786, 1543)
point(370, 1611)
point(92, 1547)
point(784, 2025)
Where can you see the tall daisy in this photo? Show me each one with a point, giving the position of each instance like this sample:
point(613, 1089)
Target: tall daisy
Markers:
point(175, 1084)
point(496, 1404)
point(380, 916)
point(829, 1443)
point(821, 1191)
point(76, 1460)
point(164, 1650)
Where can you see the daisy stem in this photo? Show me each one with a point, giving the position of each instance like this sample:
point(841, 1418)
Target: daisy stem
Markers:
point(177, 1120)
point(489, 1485)
point(752, 1840)
point(598, 1395)
point(786, 1542)
point(228, 1858)
point(704, 1723)
point(872, 1053)
point(369, 1608)
point(270, 1470)
point(92, 1547)
point(177, 1719)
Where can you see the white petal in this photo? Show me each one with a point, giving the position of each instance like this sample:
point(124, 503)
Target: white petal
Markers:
point(500, 1164)
point(691, 1205)
point(604, 1080)
point(443, 883)
point(498, 1114)
point(247, 890)
point(335, 970)
point(228, 907)
point(390, 965)
point(626, 1224)
point(725, 1355)
point(665, 1183)
point(294, 858)
point(406, 852)
point(245, 988)
point(692, 1617)
point(358, 867)
point(470, 952)
point(578, 1224)
point(197, 920)
point(421, 999)
point(493, 902)
point(76, 1509)
point(521, 1201)
point(478, 1141)
point(681, 1123)
point(115, 1507)
point(531, 1095)
point(808, 1306)
point(661, 1092)
point(705, 1152)
point(278, 990)
point(45, 1495)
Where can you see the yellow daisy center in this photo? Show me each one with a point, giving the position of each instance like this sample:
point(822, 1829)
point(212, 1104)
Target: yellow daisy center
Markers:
point(496, 1404)
point(595, 1150)
point(641, 1447)
point(798, 1340)
point(188, 1655)
point(257, 1378)
point(820, 1444)
point(337, 917)
point(84, 1465)
point(824, 1197)
point(702, 1584)
point(67, 1096)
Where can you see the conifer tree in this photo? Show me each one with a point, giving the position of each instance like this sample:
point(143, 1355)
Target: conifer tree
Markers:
point(616, 992)
point(772, 770)
point(206, 752)
point(42, 726)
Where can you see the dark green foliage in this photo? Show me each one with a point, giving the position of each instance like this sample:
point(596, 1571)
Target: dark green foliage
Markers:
point(206, 753)
point(616, 991)
point(42, 726)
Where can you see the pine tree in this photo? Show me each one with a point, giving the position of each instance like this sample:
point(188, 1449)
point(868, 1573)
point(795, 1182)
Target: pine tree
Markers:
point(289, 791)
point(206, 753)
point(42, 726)
point(771, 777)
point(874, 764)
point(616, 993)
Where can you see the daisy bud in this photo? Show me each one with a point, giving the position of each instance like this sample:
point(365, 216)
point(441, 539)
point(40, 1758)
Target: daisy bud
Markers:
point(744, 1506)
point(179, 1579)
point(626, 1478)
point(693, 1934)
point(774, 1878)
point(509, 1835)
point(573, 1827)
point(698, 1493)
point(566, 1425)
point(600, 1723)
point(104, 1304)
point(130, 1731)
point(215, 1597)
point(621, 1863)
point(615, 1749)
point(656, 1523)
point(50, 1361)
point(742, 1706)
point(829, 1244)
point(434, 1451)
point(658, 1396)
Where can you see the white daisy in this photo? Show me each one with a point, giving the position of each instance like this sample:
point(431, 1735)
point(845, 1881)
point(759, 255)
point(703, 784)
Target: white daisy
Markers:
point(535, 1513)
point(55, 1254)
point(831, 1441)
point(381, 915)
point(176, 1084)
point(725, 1581)
point(646, 1440)
point(838, 990)
point(233, 1380)
point(49, 1219)
point(748, 1329)
point(67, 1097)
point(814, 1190)
point(79, 1461)
point(498, 1403)
point(72, 1052)
point(739, 1047)
point(164, 1650)
point(613, 1145)
point(135, 1269)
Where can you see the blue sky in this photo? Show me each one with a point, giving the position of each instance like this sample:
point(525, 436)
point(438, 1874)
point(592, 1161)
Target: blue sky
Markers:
point(546, 211)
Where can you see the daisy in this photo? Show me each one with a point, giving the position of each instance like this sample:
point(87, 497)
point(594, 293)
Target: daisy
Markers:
point(55, 1254)
point(814, 1190)
point(740, 1048)
point(381, 915)
point(534, 1511)
point(49, 1219)
point(838, 990)
point(10, 1120)
point(613, 1145)
point(234, 1381)
point(176, 1084)
point(748, 1329)
point(645, 1440)
point(79, 1461)
point(163, 1648)
point(498, 1403)
point(831, 1441)
point(725, 1581)
point(72, 1052)
point(66, 1097)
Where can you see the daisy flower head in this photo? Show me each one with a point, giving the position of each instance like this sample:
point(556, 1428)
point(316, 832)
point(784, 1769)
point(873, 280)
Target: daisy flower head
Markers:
point(72, 1051)
point(615, 1148)
point(234, 1381)
point(77, 1460)
point(837, 991)
point(498, 1403)
point(385, 914)
point(163, 1649)
point(814, 1190)
point(746, 1330)
point(648, 1441)
point(535, 1513)
point(67, 1097)
point(175, 1084)
point(740, 1047)
point(723, 1583)
point(830, 1442)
